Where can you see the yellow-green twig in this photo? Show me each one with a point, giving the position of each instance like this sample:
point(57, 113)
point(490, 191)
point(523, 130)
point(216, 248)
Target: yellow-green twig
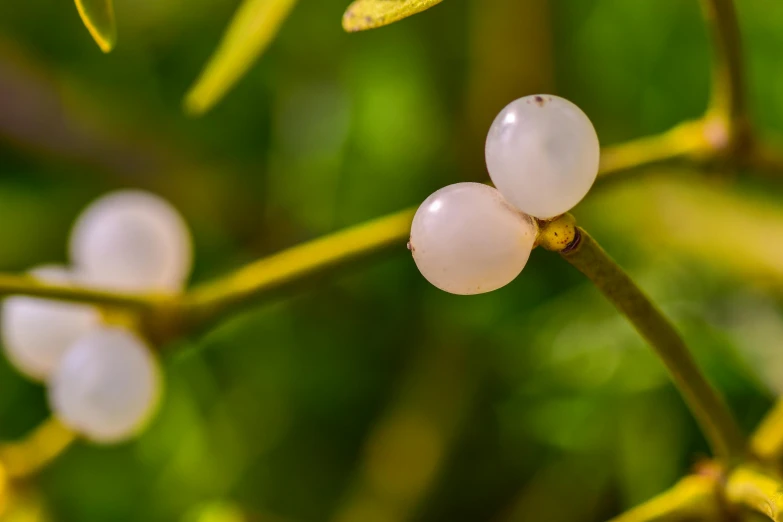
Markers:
point(27, 285)
point(290, 267)
point(44, 444)
point(692, 498)
point(746, 494)
point(687, 141)
point(767, 441)
point(708, 407)
point(754, 490)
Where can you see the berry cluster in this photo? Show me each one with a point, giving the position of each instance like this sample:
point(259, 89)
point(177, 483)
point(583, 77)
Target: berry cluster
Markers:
point(542, 154)
point(103, 380)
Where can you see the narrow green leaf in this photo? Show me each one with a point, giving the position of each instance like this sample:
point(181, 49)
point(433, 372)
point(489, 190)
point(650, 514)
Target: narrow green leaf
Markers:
point(98, 17)
point(250, 32)
point(369, 14)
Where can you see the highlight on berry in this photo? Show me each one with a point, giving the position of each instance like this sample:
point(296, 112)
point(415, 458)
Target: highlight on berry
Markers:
point(103, 379)
point(542, 155)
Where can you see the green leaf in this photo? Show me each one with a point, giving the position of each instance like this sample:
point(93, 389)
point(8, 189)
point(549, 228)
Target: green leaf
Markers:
point(253, 28)
point(369, 14)
point(98, 17)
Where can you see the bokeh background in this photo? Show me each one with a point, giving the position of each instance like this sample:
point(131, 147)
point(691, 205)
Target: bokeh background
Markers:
point(374, 397)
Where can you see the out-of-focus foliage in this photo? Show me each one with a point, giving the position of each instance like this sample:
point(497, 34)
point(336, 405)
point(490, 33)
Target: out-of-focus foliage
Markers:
point(374, 396)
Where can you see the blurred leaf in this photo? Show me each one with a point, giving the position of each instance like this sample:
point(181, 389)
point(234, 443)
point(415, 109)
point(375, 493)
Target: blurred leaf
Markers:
point(215, 512)
point(582, 480)
point(369, 14)
point(714, 224)
point(25, 506)
point(642, 438)
point(98, 16)
point(250, 32)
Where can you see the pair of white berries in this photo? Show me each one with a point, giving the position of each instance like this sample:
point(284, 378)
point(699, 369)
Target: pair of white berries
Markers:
point(103, 381)
point(542, 154)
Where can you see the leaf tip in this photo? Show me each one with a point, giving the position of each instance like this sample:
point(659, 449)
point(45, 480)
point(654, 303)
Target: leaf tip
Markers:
point(349, 21)
point(106, 44)
point(194, 104)
point(99, 21)
point(249, 33)
point(362, 15)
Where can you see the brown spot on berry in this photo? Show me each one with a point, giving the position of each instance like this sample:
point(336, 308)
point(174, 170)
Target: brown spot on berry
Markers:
point(539, 101)
point(574, 244)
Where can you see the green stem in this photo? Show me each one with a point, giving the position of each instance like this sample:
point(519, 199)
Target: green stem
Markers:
point(708, 407)
point(728, 83)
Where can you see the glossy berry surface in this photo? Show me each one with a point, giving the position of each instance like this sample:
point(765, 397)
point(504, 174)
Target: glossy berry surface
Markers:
point(542, 154)
point(466, 239)
point(106, 386)
point(131, 241)
point(36, 332)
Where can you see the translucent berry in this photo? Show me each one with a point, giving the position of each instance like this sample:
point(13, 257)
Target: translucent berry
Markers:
point(542, 154)
point(106, 386)
point(132, 241)
point(466, 239)
point(36, 332)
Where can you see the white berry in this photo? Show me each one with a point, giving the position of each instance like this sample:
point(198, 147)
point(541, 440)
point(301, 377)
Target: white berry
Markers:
point(466, 239)
point(542, 154)
point(132, 241)
point(106, 386)
point(36, 332)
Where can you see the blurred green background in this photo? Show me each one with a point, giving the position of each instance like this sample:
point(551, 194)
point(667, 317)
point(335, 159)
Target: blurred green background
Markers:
point(374, 397)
